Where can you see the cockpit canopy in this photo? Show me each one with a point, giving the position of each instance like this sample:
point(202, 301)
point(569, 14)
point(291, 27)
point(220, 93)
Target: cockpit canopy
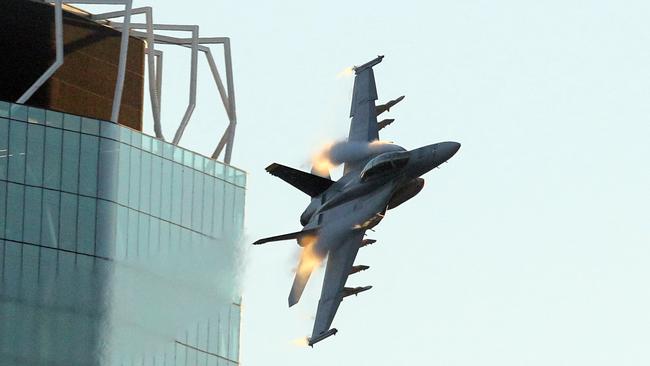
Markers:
point(384, 163)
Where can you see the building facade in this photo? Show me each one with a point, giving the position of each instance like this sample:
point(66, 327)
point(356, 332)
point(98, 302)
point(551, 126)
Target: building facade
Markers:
point(116, 248)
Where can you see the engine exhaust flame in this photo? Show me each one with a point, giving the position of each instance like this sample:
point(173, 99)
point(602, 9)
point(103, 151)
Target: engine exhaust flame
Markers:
point(334, 154)
point(300, 342)
point(348, 71)
point(309, 258)
point(320, 161)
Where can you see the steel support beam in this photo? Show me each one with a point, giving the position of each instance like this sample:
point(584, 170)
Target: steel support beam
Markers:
point(151, 70)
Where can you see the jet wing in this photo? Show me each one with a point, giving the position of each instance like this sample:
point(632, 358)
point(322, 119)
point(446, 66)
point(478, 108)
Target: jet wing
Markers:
point(363, 110)
point(339, 266)
point(363, 127)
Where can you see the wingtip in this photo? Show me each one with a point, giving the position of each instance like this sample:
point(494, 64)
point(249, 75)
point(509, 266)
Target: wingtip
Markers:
point(292, 301)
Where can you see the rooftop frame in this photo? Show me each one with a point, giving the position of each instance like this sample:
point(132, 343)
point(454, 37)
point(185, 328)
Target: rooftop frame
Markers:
point(154, 64)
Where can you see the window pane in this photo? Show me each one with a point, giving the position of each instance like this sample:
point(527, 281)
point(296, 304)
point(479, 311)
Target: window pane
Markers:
point(132, 249)
point(145, 183)
point(88, 165)
point(86, 225)
point(208, 204)
point(30, 269)
point(240, 197)
point(188, 187)
point(233, 351)
point(143, 235)
point(166, 189)
point(105, 238)
point(156, 172)
point(123, 174)
point(107, 169)
point(168, 151)
point(109, 130)
point(3, 206)
point(164, 237)
point(17, 150)
point(219, 171)
point(50, 219)
point(177, 190)
point(134, 179)
point(122, 232)
point(54, 119)
point(18, 112)
point(197, 200)
point(36, 115)
point(15, 209)
point(4, 147)
point(68, 226)
point(229, 219)
point(52, 157)
point(70, 162)
point(4, 109)
point(89, 125)
point(35, 145)
point(154, 237)
point(219, 206)
point(33, 215)
point(174, 238)
point(71, 122)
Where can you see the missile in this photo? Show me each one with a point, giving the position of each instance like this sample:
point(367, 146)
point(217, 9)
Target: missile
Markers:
point(386, 107)
point(313, 340)
point(365, 242)
point(384, 123)
point(347, 291)
point(360, 268)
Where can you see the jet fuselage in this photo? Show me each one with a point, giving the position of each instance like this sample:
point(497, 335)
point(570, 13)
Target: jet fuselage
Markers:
point(359, 201)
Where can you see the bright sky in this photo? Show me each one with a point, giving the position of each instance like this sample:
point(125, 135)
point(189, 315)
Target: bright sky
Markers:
point(530, 247)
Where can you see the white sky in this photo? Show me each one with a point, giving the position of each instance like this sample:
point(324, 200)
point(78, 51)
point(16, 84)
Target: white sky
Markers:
point(531, 247)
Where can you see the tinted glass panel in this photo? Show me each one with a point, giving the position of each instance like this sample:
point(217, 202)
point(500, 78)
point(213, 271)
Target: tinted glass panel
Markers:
point(15, 210)
point(33, 205)
point(52, 158)
point(50, 218)
point(145, 183)
point(108, 169)
point(35, 145)
point(123, 173)
point(88, 165)
point(86, 225)
point(70, 162)
point(134, 179)
point(68, 222)
point(17, 151)
point(106, 224)
point(4, 147)
point(188, 187)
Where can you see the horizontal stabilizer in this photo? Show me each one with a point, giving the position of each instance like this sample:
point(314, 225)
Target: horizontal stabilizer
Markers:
point(386, 107)
point(384, 123)
point(309, 183)
point(295, 235)
point(313, 340)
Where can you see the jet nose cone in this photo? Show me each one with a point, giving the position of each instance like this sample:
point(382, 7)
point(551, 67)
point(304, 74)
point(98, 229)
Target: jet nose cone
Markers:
point(445, 150)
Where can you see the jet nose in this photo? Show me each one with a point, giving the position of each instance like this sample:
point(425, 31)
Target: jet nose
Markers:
point(445, 150)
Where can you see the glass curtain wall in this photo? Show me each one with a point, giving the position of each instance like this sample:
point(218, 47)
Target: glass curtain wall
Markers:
point(115, 248)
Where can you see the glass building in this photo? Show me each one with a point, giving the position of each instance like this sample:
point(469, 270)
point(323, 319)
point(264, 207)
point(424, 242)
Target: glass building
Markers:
point(115, 248)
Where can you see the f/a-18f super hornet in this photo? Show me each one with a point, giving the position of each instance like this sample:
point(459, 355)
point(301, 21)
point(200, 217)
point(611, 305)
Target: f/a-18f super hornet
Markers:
point(377, 176)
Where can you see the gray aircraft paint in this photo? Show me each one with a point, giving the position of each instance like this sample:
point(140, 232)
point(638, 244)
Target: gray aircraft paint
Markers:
point(376, 177)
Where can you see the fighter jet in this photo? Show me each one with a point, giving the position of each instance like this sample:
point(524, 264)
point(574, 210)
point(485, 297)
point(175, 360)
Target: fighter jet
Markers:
point(377, 177)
